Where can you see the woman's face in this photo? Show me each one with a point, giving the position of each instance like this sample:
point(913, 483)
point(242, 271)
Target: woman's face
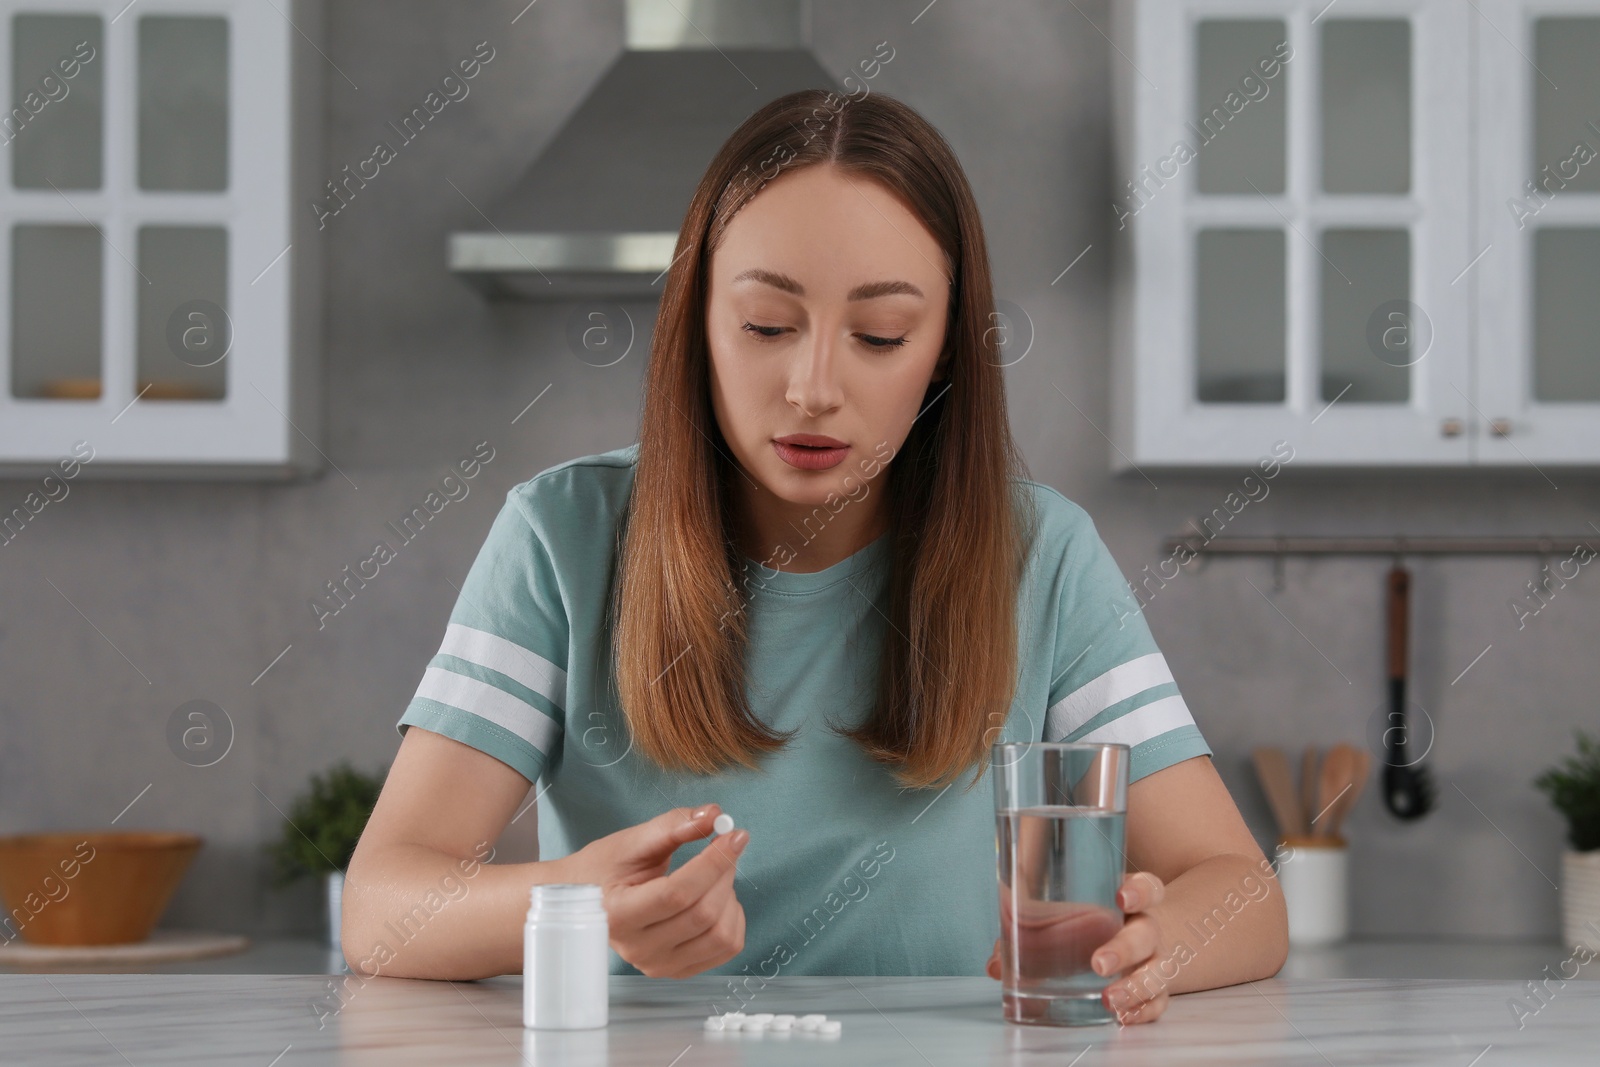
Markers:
point(825, 316)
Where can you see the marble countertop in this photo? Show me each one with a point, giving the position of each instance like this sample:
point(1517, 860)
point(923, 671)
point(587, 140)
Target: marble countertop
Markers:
point(289, 1020)
point(1519, 960)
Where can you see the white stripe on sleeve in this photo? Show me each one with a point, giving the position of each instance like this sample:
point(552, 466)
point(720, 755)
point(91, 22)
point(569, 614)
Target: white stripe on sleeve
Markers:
point(1119, 683)
point(1141, 724)
point(509, 658)
point(487, 702)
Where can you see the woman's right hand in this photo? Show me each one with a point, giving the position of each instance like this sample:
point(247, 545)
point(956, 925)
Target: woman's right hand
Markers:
point(667, 925)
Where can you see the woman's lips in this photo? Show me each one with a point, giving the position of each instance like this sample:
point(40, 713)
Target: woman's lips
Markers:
point(810, 459)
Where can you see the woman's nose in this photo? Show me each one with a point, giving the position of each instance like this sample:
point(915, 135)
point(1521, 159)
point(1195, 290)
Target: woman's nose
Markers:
point(813, 380)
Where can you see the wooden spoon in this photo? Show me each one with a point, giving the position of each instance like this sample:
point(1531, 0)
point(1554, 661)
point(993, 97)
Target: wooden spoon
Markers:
point(1272, 767)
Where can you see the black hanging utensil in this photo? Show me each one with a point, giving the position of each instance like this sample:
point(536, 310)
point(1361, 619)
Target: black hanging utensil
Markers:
point(1407, 788)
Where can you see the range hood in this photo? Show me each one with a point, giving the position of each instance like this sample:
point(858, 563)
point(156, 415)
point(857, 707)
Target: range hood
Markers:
point(598, 212)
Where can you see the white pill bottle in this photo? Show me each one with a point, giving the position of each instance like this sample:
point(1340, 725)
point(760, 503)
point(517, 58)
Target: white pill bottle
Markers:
point(565, 959)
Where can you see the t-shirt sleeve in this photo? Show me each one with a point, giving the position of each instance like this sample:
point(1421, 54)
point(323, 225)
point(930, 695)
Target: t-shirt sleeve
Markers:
point(1110, 682)
point(498, 682)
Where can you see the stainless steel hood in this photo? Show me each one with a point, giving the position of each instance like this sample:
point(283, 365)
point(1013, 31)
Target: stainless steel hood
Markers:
point(597, 214)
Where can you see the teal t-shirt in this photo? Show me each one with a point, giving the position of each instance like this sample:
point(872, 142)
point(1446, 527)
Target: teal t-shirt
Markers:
point(846, 872)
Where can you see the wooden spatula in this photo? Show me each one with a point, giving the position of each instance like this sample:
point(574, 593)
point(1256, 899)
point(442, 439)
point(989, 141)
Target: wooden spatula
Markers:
point(1361, 765)
point(1333, 785)
point(1272, 767)
point(1309, 785)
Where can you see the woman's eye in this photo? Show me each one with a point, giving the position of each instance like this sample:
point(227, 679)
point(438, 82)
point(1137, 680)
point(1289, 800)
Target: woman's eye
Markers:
point(769, 333)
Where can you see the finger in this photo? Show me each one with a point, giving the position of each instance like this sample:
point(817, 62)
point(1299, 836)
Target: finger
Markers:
point(667, 935)
point(662, 835)
point(1130, 991)
point(1139, 891)
point(1131, 946)
point(714, 947)
point(661, 898)
point(1146, 1012)
point(640, 853)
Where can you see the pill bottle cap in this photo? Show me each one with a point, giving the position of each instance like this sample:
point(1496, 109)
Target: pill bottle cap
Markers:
point(565, 899)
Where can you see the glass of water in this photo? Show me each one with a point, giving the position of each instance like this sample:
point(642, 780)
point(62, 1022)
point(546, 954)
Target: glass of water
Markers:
point(1060, 810)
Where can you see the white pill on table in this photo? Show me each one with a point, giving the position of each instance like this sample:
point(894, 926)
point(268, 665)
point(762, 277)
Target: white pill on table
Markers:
point(783, 1022)
point(733, 1016)
point(722, 823)
point(715, 1022)
point(753, 1025)
point(813, 1019)
point(830, 1026)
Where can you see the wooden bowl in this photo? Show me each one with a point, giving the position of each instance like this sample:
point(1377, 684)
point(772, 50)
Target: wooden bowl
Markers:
point(96, 887)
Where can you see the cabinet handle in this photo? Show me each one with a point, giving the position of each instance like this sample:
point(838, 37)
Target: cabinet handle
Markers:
point(1500, 427)
point(1450, 427)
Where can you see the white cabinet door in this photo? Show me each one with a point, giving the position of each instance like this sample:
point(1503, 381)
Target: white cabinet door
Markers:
point(1538, 99)
point(158, 284)
point(1294, 217)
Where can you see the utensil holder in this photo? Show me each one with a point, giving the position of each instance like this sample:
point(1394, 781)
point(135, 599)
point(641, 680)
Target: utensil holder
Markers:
point(1313, 873)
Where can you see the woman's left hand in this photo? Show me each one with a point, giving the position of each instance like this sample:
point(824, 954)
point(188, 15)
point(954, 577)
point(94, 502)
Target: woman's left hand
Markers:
point(1139, 995)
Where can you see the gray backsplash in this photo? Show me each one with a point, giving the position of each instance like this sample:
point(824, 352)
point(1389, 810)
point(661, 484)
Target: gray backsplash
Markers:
point(195, 588)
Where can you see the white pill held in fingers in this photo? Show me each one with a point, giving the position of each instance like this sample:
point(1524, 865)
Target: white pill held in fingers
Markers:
point(830, 1026)
point(722, 824)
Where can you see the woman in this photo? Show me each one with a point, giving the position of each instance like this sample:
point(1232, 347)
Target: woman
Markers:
point(813, 594)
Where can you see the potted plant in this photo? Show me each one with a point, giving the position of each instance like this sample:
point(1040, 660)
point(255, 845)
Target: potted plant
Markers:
point(1574, 788)
point(321, 832)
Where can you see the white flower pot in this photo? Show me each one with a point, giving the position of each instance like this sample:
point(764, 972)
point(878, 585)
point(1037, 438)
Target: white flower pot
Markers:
point(335, 888)
point(1580, 899)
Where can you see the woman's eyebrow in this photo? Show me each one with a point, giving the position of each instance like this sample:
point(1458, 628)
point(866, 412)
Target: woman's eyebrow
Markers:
point(866, 291)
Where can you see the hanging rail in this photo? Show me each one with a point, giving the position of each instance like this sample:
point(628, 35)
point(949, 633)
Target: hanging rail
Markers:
point(1378, 546)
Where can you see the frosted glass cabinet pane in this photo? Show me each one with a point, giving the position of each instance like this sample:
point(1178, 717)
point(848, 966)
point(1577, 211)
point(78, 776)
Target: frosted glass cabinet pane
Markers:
point(1366, 106)
point(184, 333)
point(55, 311)
point(183, 103)
point(1239, 111)
point(1567, 50)
point(1239, 316)
point(1370, 332)
point(53, 119)
point(1566, 314)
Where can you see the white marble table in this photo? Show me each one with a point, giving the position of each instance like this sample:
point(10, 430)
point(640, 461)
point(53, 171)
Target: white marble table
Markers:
point(274, 1021)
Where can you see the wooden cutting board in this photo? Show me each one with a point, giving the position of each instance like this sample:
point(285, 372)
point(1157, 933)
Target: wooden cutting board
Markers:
point(160, 946)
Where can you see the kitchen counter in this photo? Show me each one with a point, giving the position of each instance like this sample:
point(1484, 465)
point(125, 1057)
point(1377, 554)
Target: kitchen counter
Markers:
point(263, 1020)
point(1521, 960)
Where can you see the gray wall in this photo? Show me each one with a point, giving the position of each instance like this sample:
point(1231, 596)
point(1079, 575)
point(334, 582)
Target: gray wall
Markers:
point(194, 588)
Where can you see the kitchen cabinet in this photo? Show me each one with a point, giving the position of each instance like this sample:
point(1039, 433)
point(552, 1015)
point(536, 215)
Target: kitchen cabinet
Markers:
point(1314, 242)
point(160, 269)
point(1538, 308)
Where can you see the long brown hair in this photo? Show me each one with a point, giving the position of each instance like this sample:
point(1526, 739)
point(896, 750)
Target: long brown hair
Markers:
point(957, 525)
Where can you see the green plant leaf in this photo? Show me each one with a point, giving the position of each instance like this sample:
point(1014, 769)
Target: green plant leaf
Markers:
point(324, 824)
point(1573, 786)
